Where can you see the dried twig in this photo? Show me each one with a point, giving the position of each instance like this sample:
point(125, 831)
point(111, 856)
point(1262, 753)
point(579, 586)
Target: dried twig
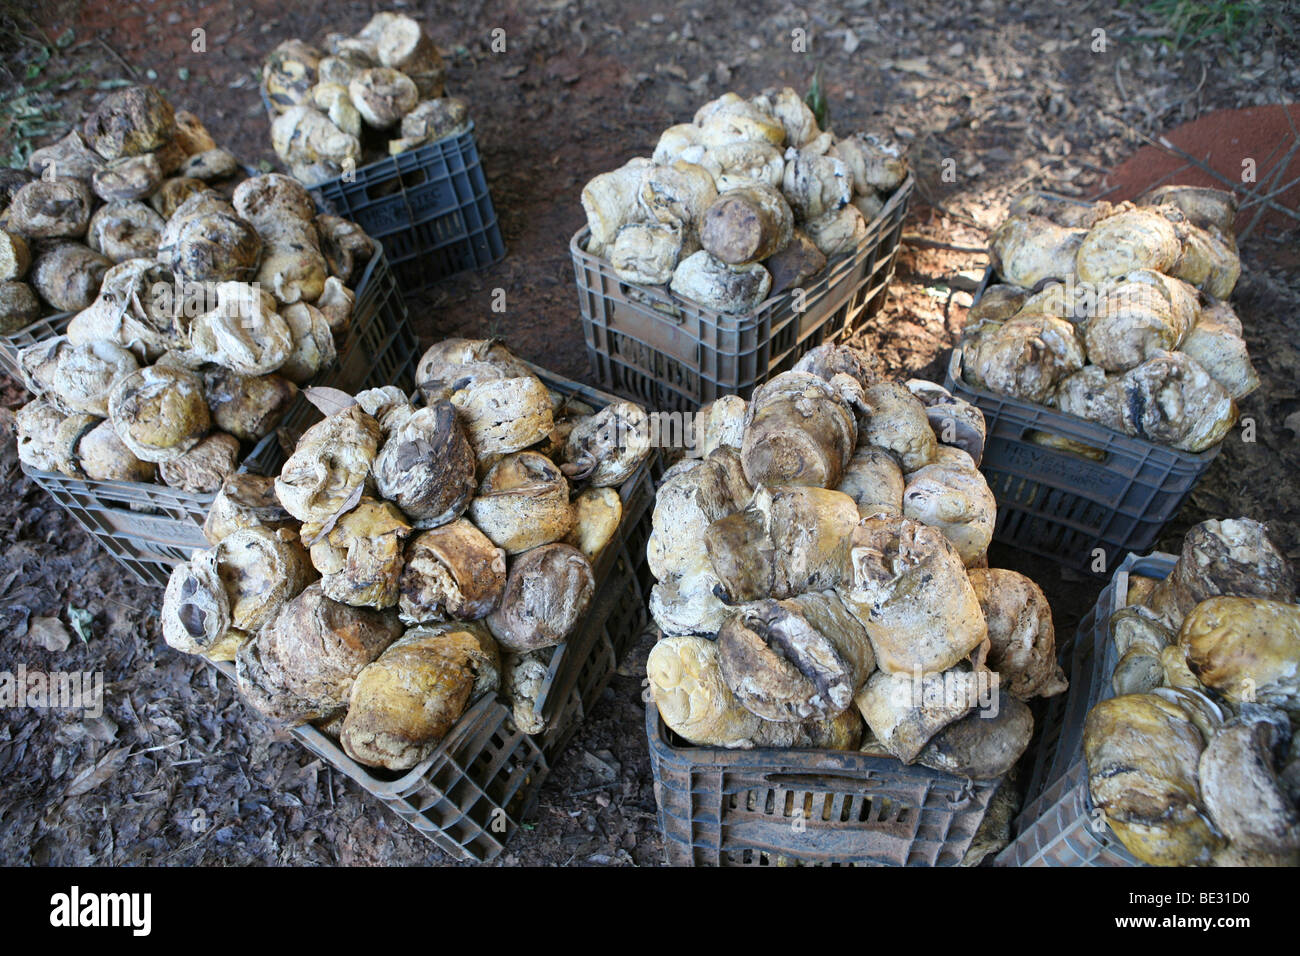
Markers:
point(1269, 182)
point(189, 846)
point(1181, 169)
point(117, 56)
point(924, 242)
point(1283, 165)
point(1280, 191)
point(1031, 177)
point(1098, 197)
point(941, 208)
point(1204, 73)
point(1110, 189)
point(1286, 113)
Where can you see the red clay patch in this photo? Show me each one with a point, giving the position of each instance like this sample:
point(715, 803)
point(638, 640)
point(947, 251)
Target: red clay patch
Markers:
point(1223, 140)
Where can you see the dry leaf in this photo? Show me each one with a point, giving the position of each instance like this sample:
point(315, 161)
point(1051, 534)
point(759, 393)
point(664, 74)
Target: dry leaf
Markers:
point(329, 400)
point(352, 501)
point(49, 633)
point(92, 777)
point(103, 729)
point(919, 65)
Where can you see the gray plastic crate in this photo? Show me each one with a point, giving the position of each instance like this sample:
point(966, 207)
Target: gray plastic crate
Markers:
point(1058, 825)
point(149, 527)
point(674, 354)
point(472, 794)
point(12, 343)
point(770, 807)
point(1063, 505)
point(430, 207)
point(622, 563)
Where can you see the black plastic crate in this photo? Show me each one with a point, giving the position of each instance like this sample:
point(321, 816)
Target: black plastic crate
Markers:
point(673, 354)
point(430, 207)
point(150, 528)
point(1058, 825)
point(770, 807)
point(1063, 505)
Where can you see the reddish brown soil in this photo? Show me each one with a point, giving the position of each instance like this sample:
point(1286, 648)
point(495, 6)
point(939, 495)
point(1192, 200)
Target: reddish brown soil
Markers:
point(1226, 140)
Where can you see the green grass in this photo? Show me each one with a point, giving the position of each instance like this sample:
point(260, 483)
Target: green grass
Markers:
point(1193, 21)
point(816, 100)
point(32, 111)
point(31, 108)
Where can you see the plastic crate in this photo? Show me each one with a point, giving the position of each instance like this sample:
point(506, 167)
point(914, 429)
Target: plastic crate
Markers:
point(430, 207)
point(771, 807)
point(468, 796)
point(622, 602)
point(1064, 506)
point(1059, 825)
point(475, 790)
point(14, 342)
point(673, 354)
point(149, 528)
point(625, 594)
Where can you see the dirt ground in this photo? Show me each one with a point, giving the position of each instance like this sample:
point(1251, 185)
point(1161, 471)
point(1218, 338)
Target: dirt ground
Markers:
point(178, 771)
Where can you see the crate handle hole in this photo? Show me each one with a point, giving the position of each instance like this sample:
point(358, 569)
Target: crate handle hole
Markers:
point(819, 781)
point(1084, 452)
point(643, 296)
point(407, 180)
